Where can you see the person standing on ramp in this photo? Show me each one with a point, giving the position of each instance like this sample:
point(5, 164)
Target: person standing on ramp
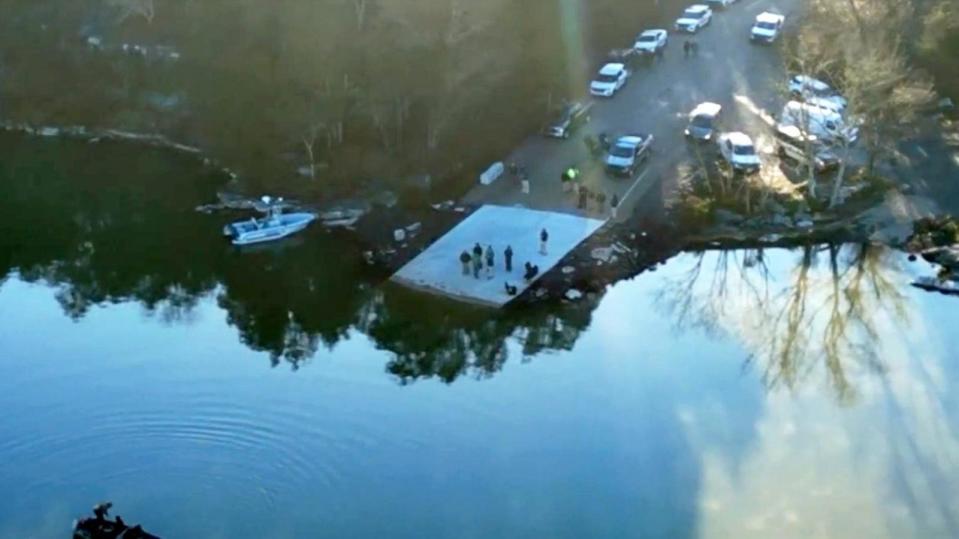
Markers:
point(543, 237)
point(489, 261)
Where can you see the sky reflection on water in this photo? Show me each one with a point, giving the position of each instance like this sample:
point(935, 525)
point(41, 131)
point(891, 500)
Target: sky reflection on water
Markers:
point(655, 424)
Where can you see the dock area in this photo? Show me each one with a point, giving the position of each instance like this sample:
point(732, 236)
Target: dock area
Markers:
point(438, 268)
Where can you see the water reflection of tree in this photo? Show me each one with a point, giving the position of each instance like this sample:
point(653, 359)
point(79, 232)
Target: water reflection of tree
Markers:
point(822, 317)
point(83, 226)
point(292, 302)
point(440, 339)
point(100, 235)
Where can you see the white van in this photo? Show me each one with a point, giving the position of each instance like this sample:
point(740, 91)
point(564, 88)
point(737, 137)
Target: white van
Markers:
point(824, 123)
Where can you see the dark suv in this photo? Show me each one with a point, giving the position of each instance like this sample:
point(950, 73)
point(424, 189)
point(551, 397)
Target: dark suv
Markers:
point(568, 119)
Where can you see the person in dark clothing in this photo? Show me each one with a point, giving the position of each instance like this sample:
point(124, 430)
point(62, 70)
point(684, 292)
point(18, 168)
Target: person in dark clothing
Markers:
point(531, 271)
point(489, 261)
point(604, 141)
point(465, 259)
point(508, 257)
point(543, 237)
point(510, 290)
point(614, 205)
point(583, 196)
point(686, 48)
point(477, 262)
point(477, 250)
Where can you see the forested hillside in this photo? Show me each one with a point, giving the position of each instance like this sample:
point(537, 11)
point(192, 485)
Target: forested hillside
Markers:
point(356, 88)
point(314, 96)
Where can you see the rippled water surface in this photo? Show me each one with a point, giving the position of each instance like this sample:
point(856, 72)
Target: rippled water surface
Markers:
point(282, 393)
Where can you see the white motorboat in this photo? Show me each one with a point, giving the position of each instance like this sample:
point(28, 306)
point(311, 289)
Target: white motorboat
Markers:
point(275, 225)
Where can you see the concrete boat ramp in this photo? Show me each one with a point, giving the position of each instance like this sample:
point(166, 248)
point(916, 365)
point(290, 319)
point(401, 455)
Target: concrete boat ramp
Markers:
point(438, 269)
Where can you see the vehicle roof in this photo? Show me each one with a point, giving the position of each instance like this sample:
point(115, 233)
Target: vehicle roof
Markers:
point(653, 32)
point(794, 132)
point(739, 138)
point(630, 140)
point(707, 108)
point(814, 108)
point(767, 16)
point(834, 103)
point(815, 84)
point(611, 69)
point(698, 7)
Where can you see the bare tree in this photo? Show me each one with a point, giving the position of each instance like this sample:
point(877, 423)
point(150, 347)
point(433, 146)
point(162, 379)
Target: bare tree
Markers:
point(309, 144)
point(883, 93)
point(809, 53)
point(360, 8)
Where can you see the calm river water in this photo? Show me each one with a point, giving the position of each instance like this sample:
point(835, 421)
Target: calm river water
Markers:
point(280, 392)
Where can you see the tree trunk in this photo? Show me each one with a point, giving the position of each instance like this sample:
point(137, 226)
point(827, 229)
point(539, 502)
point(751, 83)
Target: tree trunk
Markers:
point(383, 130)
point(840, 175)
point(360, 7)
point(308, 143)
point(837, 184)
point(434, 127)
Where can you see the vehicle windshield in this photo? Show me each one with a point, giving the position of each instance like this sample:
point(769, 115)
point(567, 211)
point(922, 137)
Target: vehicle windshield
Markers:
point(647, 38)
point(766, 25)
point(689, 14)
point(744, 149)
point(621, 151)
point(702, 120)
point(606, 78)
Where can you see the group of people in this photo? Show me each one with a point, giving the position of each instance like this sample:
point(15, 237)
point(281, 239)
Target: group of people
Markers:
point(690, 47)
point(481, 260)
point(474, 262)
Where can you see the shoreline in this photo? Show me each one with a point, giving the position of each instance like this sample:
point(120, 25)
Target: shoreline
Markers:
point(616, 252)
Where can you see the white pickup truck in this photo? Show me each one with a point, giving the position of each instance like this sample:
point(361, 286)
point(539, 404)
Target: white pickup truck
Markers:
point(767, 27)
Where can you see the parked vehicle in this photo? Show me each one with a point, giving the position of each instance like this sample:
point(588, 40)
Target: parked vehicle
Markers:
point(824, 123)
point(570, 117)
point(806, 88)
point(651, 41)
point(804, 149)
point(738, 150)
point(702, 121)
point(610, 79)
point(695, 17)
point(627, 153)
point(276, 225)
point(766, 27)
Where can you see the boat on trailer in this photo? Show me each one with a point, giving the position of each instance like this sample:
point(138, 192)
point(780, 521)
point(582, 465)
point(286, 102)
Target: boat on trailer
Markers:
point(275, 225)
